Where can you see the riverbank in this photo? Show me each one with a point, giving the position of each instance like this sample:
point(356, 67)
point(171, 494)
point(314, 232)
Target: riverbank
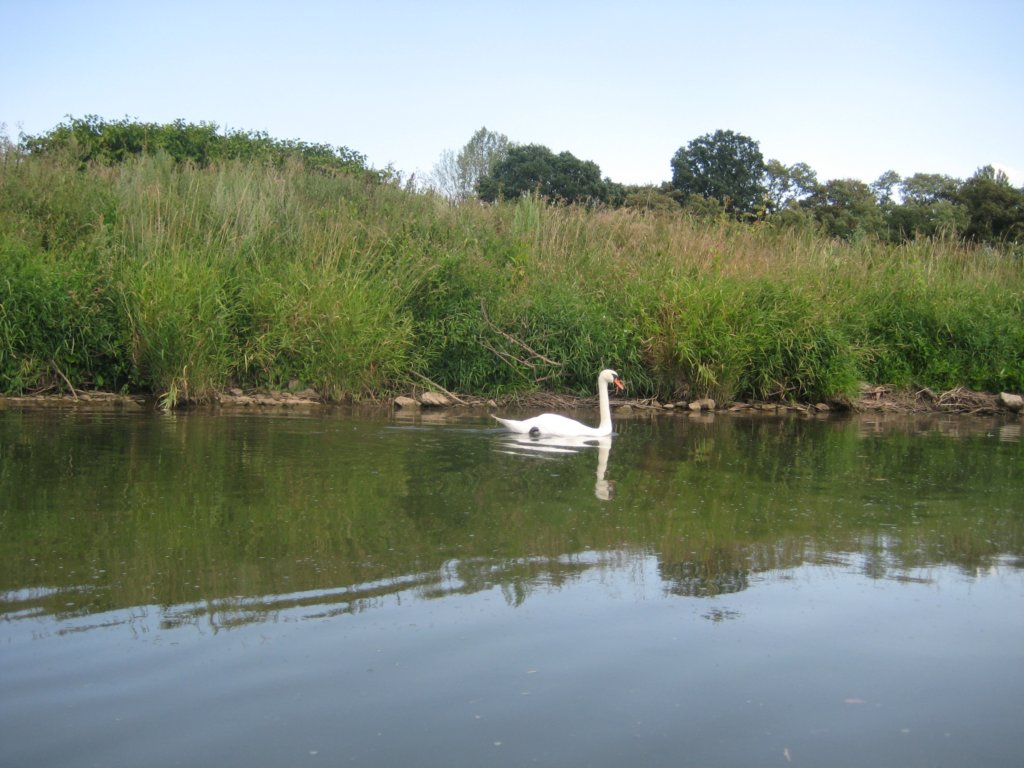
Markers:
point(960, 401)
point(185, 283)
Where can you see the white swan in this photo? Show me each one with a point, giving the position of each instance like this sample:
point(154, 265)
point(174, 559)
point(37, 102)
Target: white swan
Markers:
point(554, 425)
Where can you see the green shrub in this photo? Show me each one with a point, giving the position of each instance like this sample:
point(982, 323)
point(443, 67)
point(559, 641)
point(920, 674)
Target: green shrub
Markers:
point(60, 324)
point(343, 334)
point(935, 339)
point(728, 338)
point(180, 315)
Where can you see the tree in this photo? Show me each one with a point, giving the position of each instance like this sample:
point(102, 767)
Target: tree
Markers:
point(787, 185)
point(883, 187)
point(456, 176)
point(651, 198)
point(929, 207)
point(929, 188)
point(8, 149)
point(614, 193)
point(845, 208)
point(533, 168)
point(723, 166)
point(995, 207)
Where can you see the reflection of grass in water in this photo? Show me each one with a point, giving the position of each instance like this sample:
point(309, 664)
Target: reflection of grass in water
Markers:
point(171, 511)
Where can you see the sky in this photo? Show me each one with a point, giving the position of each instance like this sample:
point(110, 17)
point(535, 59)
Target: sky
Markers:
point(851, 89)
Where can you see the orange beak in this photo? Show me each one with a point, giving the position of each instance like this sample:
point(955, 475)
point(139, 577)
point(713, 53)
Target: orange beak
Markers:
point(618, 383)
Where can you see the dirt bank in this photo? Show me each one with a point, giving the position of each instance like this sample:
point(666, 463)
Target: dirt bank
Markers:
point(870, 399)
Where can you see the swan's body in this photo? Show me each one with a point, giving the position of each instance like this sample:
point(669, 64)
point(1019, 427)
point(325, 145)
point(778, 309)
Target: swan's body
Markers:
point(556, 425)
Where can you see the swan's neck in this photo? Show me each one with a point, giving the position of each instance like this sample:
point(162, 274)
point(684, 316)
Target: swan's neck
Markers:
point(605, 410)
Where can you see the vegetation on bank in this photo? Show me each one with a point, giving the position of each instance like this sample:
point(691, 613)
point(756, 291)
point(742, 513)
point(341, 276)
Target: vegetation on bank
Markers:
point(150, 272)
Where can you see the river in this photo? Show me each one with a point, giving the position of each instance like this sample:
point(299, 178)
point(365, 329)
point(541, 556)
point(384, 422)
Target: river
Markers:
point(358, 588)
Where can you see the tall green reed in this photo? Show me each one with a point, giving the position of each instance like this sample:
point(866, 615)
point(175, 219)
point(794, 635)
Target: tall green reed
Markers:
point(274, 281)
point(938, 315)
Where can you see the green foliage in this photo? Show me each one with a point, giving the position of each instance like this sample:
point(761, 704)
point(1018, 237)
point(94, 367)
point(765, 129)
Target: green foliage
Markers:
point(650, 198)
point(533, 169)
point(723, 166)
point(49, 205)
point(706, 208)
point(180, 279)
point(930, 209)
point(995, 207)
point(456, 175)
point(736, 338)
point(341, 332)
point(526, 309)
point(846, 208)
point(179, 312)
point(785, 186)
point(576, 324)
point(724, 174)
point(922, 326)
point(93, 139)
point(450, 308)
point(59, 322)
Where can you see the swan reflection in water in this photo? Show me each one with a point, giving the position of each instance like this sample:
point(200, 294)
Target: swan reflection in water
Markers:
point(524, 445)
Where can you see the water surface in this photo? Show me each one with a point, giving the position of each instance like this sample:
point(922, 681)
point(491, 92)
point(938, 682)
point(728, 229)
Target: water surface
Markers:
point(355, 589)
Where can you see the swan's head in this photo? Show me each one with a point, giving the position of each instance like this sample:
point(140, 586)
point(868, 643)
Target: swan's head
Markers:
point(608, 376)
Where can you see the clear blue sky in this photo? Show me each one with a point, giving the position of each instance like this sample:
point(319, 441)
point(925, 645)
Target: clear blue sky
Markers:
point(851, 89)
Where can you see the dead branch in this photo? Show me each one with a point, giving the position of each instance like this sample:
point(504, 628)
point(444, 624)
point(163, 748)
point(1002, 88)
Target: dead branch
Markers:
point(437, 386)
point(66, 380)
point(518, 342)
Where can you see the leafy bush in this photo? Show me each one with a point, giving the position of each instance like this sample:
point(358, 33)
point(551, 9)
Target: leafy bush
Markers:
point(60, 324)
point(340, 333)
point(180, 315)
point(733, 338)
point(942, 336)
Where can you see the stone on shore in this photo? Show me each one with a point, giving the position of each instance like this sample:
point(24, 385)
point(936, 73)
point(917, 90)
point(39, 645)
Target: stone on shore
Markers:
point(1011, 402)
point(434, 400)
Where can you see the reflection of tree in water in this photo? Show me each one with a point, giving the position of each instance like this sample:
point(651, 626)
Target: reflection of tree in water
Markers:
point(702, 579)
point(229, 522)
point(516, 578)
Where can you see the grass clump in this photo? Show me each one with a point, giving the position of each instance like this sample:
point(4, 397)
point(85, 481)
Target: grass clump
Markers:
point(340, 333)
point(59, 322)
point(730, 338)
point(179, 312)
point(927, 325)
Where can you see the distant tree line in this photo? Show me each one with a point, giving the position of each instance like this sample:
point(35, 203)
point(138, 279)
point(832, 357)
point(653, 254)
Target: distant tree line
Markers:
point(717, 174)
point(724, 174)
